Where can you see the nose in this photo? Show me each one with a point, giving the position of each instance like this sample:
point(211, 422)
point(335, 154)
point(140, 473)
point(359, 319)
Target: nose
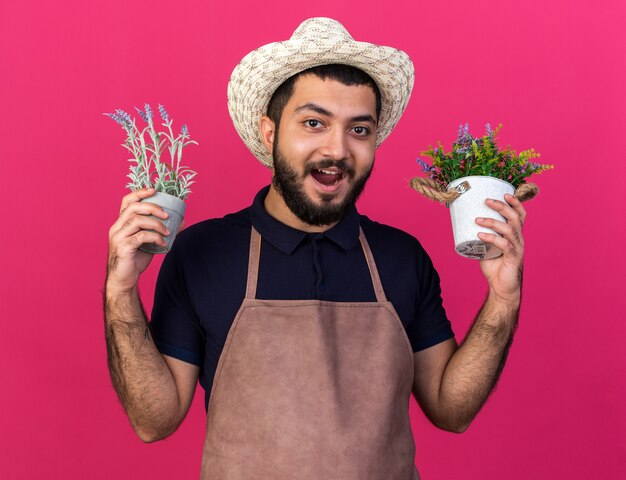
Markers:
point(335, 144)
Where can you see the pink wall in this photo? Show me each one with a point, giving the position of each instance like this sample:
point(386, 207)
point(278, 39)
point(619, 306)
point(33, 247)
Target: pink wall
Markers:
point(552, 71)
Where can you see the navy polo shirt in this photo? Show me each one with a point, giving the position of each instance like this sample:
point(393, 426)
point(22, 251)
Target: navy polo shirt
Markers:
point(202, 281)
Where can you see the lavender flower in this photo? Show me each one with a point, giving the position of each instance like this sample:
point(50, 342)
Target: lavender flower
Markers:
point(149, 113)
point(463, 135)
point(489, 130)
point(124, 116)
point(142, 115)
point(426, 168)
point(115, 117)
point(146, 146)
point(163, 113)
point(121, 117)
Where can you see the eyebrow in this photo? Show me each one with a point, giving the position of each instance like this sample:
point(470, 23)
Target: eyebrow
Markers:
point(322, 111)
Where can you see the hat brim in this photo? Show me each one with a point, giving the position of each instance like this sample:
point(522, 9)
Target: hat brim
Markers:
point(262, 71)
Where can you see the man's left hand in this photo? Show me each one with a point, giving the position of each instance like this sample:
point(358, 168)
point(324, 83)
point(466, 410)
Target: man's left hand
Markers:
point(504, 273)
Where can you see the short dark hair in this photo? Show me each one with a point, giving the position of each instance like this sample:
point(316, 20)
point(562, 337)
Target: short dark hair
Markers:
point(345, 74)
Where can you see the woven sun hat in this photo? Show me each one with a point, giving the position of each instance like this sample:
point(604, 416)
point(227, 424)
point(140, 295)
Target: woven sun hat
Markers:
point(317, 41)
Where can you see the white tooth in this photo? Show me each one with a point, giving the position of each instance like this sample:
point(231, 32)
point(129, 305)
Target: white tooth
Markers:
point(328, 172)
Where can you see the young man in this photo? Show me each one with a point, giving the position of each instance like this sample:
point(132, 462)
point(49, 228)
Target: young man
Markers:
point(308, 325)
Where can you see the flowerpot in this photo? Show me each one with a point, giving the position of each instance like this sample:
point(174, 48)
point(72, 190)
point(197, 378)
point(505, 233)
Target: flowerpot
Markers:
point(471, 204)
point(175, 208)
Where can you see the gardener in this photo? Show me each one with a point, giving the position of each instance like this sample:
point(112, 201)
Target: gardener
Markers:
point(307, 324)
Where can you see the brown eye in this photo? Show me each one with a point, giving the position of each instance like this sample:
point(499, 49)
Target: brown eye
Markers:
point(361, 131)
point(313, 123)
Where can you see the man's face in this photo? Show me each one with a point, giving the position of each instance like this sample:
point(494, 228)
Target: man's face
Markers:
point(324, 148)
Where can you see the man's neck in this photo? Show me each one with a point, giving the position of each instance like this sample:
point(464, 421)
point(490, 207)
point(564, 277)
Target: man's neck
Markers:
point(276, 207)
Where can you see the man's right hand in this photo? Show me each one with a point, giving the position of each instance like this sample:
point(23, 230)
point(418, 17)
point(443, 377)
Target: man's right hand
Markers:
point(133, 228)
point(156, 390)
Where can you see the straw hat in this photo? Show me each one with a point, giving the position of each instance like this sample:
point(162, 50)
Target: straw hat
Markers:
point(317, 41)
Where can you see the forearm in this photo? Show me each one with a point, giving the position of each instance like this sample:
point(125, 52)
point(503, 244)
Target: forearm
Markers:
point(142, 379)
point(474, 369)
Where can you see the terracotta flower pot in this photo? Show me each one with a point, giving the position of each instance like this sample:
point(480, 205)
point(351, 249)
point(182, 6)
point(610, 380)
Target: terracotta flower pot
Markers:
point(471, 204)
point(175, 208)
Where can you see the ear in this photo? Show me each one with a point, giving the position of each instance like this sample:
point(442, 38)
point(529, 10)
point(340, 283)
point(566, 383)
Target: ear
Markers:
point(268, 130)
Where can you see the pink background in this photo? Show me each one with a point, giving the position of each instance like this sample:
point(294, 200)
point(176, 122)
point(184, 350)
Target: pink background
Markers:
point(553, 72)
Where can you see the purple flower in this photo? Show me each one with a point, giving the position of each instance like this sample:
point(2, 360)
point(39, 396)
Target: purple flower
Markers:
point(121, 117)
point(163, 113)
point(125, 116)
point(426, 168)
point(489, 130)
point(184, 130)
point(115, 117)
point(463, 135)
point(149, 113)
point(142, 115)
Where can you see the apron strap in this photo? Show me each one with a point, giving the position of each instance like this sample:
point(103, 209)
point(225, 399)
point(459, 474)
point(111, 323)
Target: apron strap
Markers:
point(255, 255)
point(371, 264)
point(253, 263)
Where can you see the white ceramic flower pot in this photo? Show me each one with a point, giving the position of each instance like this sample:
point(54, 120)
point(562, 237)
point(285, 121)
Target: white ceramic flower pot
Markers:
point(175, 208)
point(470, 205)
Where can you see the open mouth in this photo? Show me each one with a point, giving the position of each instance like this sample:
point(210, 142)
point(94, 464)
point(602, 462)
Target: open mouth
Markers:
point(327, 177)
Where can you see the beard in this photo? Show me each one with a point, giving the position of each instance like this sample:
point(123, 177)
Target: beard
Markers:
point(290, 185)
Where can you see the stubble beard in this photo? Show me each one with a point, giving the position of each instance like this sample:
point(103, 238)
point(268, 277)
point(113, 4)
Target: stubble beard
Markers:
point(290, 185)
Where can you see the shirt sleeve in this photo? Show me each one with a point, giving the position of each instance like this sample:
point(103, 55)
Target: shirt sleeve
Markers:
point(430, 325)
point(174, 325)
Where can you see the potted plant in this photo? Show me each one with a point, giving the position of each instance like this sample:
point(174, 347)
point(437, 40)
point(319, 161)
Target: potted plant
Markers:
point(476, 169)
point(171, 180)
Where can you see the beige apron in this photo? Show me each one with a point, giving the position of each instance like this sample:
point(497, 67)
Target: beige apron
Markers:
point(310, 389)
